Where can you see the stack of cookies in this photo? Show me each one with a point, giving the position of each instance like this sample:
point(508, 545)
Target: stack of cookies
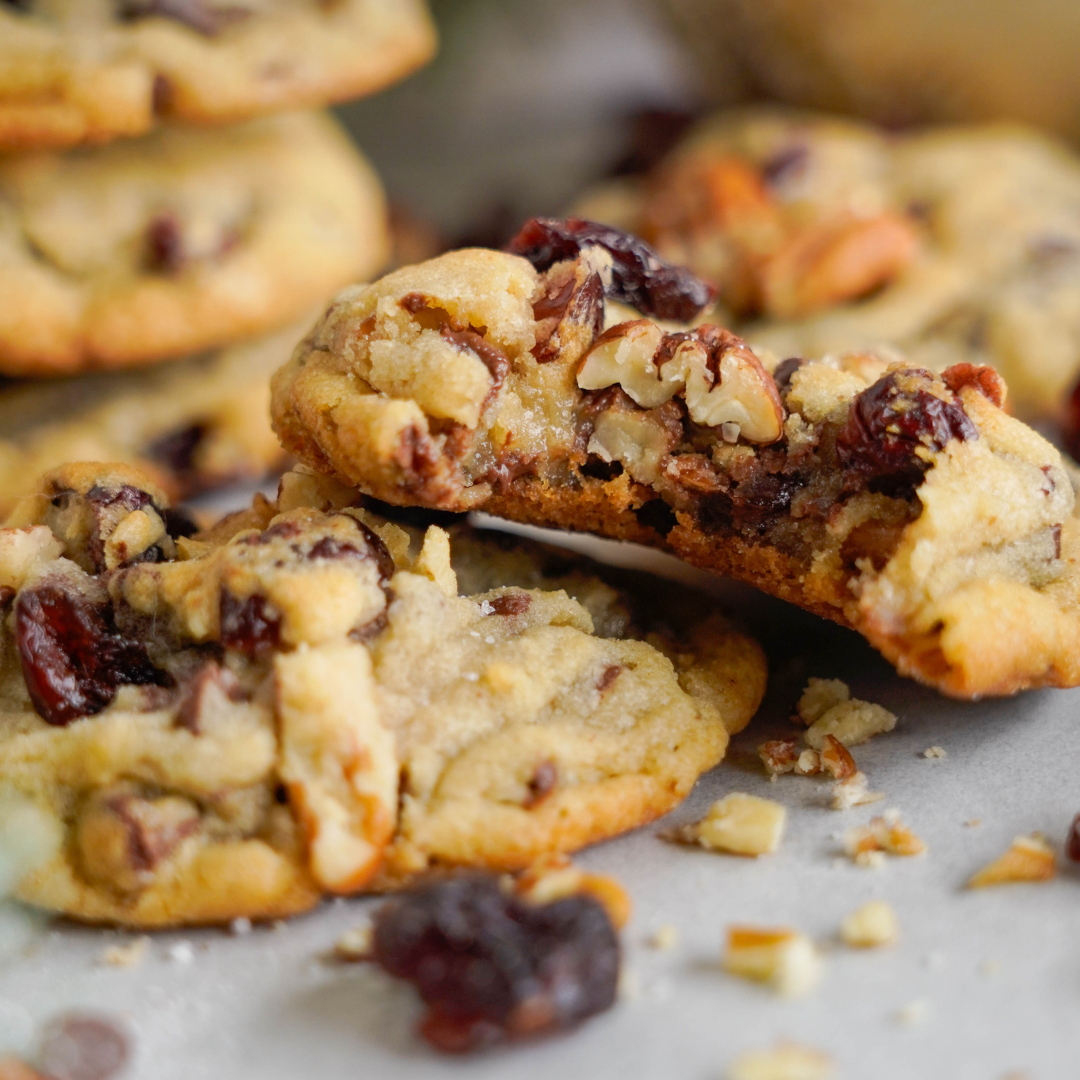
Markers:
point(155, 264)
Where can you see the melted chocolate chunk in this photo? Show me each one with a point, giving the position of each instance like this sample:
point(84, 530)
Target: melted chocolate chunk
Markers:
point(177, 452)
point(639, 277)
point(888, 423)
point(202, 17)
point(491, 967)
point(179, 523)
point(73, 659)
point(784, 370)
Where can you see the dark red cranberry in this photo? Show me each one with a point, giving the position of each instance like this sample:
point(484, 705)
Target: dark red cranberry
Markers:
point(73, 659)
point(889, 422)
point(249, 626)
point(491, 967)
point(512, 603)
point(164, 242)
point(639, 276)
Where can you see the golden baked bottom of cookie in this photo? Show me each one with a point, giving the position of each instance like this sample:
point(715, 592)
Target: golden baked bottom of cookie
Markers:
point(826, 235)
point(87, 71)
point(191, 425)
point(182, 241)
point(298, 702)
point(906, 505)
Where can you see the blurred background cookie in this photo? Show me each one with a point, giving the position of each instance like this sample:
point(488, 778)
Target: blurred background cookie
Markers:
point(193, 426)
point(181, 241)
point(79, 71)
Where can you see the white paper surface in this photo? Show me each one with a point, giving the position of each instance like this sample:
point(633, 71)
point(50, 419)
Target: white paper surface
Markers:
point(997, 971)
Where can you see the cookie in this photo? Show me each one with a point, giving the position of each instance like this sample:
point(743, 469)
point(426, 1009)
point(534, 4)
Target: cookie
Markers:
point(192, 425)
point(182, 241)
point(86, 71)
point(906, 505)
point(298, 702)
point(826, 235)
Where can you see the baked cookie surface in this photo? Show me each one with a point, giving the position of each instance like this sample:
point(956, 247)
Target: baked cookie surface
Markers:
point(182, 241)
point(299, 702)
point(191, 425)
point(85, 71)
point(904, 504)
point(825, 235)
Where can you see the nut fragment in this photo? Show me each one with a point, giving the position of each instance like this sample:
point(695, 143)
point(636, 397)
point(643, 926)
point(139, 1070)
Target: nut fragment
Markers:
point(739, 823)
point(854, 791)
point(808, 763)
point(886, 833)
point(778, 756)
point(836, 759)
point(870, 926)
point(787, 1061)
point(355, 944)
point(783, 959)
point(1029, 858)
point(623, 355)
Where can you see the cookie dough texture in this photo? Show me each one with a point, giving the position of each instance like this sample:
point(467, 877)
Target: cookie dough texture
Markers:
point(299, 702)
point(86, 71)
point(950, 244)
point(182, 241)
point(910, 507)
point(192, 425)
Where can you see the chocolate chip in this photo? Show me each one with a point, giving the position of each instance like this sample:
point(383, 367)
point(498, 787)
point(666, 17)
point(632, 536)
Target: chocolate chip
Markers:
point(177, 450)
point(152, 836)
point(209, 677)
point(783, 372)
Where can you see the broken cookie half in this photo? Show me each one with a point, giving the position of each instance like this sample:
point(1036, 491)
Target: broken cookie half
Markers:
point(298, 702)
point(549, 385)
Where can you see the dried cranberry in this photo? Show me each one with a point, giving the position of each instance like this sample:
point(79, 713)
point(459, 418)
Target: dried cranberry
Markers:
point(889, 422)
point(1072, 844)
point(639, 276)
point(73, 659)
point(83, 1046)
point(490, 966)
point(177, 451)
point(512, 603)
point(164, 242)
point(249, 626)
point(206, 19)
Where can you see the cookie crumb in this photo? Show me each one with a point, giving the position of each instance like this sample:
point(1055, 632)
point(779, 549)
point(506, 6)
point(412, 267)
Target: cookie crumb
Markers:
point(240, 927)
point(354, 945)
point(629, 987)
point(665, 937)
point(1029, 858)
point(886, 833)
point(869, 860)
point(870, 926)
point(786, 1061)
point(913, 1013)
point(934, 752)
point(972, 823)
point(851, 722)
point(180, 952)
point(854, 791)
point(738, 824)
point(783, 959)
point(129, 955)
point(819, 696)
